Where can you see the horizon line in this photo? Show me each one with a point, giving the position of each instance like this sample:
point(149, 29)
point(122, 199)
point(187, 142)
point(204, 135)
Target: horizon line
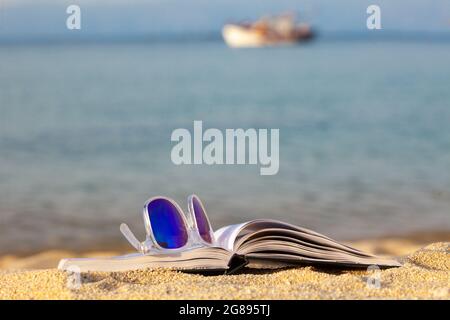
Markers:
point(211, 36)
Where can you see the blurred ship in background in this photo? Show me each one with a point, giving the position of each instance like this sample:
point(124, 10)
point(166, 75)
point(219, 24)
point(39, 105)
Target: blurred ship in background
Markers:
point(268, 31)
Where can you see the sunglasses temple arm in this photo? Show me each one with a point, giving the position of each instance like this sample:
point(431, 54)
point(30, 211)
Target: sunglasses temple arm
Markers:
point(130, 237)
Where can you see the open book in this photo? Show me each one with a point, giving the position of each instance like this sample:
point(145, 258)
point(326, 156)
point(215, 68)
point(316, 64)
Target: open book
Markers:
point(259, 243)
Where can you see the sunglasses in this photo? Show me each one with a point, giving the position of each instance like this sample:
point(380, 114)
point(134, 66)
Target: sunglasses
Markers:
point(169, 229)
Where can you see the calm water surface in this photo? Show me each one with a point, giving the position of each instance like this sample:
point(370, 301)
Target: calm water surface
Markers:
point(85, 136)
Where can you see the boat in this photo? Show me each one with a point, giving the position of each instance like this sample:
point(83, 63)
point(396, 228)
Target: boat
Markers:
point(268, 31)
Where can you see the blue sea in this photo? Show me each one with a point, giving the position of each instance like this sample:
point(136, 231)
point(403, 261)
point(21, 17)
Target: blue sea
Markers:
point(85, 136)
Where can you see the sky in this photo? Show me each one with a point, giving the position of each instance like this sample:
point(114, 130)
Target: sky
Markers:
point(46, 18)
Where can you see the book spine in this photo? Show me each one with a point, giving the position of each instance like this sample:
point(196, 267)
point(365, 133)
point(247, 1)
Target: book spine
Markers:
point(236, 263)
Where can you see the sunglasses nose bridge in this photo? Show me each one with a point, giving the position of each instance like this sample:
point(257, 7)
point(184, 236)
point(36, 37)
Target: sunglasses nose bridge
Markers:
point(190, 218)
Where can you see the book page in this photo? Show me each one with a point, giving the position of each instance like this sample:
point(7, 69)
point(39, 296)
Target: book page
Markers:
point(227, 236)
point(276, 240)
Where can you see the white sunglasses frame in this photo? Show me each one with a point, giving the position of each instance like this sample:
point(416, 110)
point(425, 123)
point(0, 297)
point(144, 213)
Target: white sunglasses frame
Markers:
point(190, 223)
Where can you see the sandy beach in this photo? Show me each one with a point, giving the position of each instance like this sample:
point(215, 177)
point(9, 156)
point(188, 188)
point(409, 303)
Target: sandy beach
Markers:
point(424, 275)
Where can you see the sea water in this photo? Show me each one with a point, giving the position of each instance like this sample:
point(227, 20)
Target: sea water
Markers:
point(364, 136)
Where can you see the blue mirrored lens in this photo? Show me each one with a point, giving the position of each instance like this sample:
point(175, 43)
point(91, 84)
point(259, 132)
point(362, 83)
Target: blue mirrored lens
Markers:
point(202, 222)
point(167, 224)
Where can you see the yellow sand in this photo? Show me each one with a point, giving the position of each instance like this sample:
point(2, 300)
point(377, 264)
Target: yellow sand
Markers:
point(425, 275)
